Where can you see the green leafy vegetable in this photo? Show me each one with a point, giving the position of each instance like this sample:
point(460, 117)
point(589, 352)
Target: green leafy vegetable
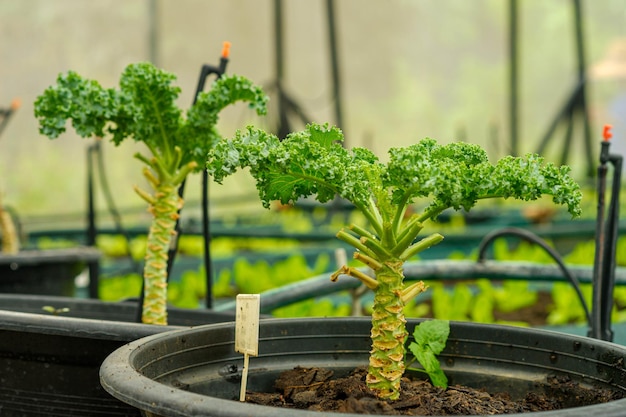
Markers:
point(430, 340)
point(313, 163)
point(144, 108)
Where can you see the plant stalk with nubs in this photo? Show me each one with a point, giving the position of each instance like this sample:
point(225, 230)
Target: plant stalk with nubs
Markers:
point(8, 232)
point(313, 163)
point(144, 108)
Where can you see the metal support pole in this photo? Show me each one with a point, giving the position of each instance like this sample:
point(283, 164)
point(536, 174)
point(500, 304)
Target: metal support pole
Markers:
point(334, 64)
point(582, 78)
point(513, 77)
point(153, 32)
point(93, 266)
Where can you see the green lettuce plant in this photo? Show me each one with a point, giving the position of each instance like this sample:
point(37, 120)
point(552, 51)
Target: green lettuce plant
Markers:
point(144, 108)
point(314, 163)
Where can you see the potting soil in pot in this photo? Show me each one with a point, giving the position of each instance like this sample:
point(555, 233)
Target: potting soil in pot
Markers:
point(316, 389)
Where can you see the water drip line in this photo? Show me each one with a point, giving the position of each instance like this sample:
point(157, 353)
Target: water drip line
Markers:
point(533, 238)
point(606, 242)
point(205, 72)
point(95, 151)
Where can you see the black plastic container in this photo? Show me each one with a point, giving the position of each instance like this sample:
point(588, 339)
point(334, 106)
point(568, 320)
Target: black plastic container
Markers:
point(49, 364)
point(197, 372)
point(44, 272)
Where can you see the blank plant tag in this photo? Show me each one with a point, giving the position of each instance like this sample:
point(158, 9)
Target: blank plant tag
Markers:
point(248, 308)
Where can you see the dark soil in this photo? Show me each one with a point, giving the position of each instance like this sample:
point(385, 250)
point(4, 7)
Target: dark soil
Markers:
point(315, 389)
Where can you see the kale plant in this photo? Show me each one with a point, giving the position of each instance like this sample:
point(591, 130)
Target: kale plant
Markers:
point(144, 109)
point(314, 163)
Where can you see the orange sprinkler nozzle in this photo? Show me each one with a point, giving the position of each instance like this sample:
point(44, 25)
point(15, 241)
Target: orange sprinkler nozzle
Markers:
point(16, 104)
point(606, 133)
point(226, 50)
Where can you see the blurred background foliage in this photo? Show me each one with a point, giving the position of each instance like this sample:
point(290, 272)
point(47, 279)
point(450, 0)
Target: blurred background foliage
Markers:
point(408, 69)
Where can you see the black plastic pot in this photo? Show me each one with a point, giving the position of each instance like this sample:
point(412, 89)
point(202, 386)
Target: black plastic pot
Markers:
point(196, 372)
point(44, 272)
point(49, 364)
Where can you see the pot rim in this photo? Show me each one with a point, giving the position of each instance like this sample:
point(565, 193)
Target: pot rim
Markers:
point(12, 319)
point(119, 378)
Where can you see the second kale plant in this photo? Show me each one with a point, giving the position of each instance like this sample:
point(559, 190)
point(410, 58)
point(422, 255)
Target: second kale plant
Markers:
point(144, 108)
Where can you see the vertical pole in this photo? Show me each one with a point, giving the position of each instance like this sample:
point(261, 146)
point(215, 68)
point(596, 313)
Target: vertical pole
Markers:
point(153, 32)
point(206, 232)
point(93, 266)
point(513, 77)
point(278, 39)
point(283, 123)
point(334, 63)
point(582, 98)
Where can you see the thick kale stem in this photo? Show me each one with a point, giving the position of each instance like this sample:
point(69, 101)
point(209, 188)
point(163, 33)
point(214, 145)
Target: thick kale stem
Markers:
point(408, 227)
point(144, 195)
point(371, 262)
point(143, 159)
point(183, 172)
point(423, 244)
point(163, 134)
point(431, 212)
point(388, 237)
point(413, 290)
point(354, 242)
point(178, 156)
point(386, 365)
point(401, 210)
point(408, 236)
point(156, 164)
point(355, 273)
point(165, 212)
point(160, 168)
point(377, 248)
point(154, 181)
point(361, 231)
point(372, 215)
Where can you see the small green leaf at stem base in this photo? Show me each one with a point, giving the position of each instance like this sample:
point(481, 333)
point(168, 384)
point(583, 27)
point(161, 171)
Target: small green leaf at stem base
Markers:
point(430, 340)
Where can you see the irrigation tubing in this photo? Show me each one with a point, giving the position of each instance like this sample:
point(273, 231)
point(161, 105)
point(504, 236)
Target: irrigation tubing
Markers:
point(112, 208)
point(205, 71)
point(533, 238)
point(606, 243)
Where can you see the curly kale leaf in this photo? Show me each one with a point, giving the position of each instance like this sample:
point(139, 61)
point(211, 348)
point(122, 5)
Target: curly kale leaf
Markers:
point(87, 104)
point(204, 114)
point(311, 162)
point(459, 174)
point(144, 108)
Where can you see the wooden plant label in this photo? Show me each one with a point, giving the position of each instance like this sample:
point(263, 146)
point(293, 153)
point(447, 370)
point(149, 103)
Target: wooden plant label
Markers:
point(248, 308)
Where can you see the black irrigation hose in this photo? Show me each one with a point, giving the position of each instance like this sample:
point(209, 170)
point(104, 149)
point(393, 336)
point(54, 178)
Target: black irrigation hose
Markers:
point(607, 231)
point(533, 238)
point(114, 212)
point(205, 72)
point(96, 149)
